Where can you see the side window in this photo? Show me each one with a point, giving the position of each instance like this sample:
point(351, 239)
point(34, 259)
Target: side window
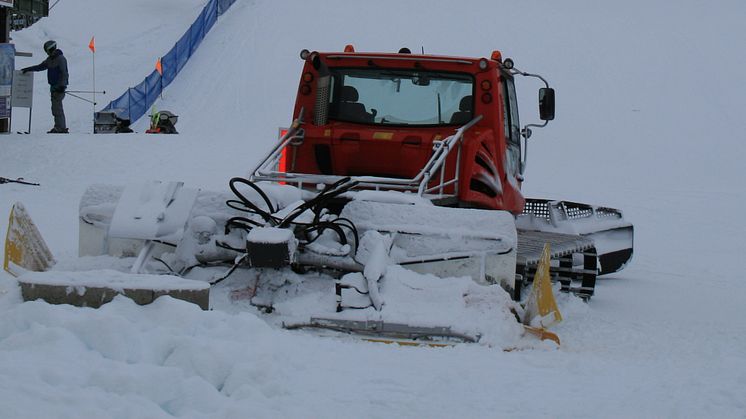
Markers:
point(515, 125)
point(512, 127)
point(333, 88)
point(336, 82)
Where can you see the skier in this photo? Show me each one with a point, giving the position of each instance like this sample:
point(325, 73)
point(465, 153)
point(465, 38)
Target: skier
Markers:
point(56, 66)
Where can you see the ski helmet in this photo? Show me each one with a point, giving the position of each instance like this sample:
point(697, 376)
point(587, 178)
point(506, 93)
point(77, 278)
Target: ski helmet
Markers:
point(50, 46)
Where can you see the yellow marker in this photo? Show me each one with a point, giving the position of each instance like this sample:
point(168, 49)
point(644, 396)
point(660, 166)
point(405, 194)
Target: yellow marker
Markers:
point(541, 307)
point(383, 135)
point(542, 334)
point(25, 249)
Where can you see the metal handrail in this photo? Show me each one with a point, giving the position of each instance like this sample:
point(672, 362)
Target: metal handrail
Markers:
point(267, 168)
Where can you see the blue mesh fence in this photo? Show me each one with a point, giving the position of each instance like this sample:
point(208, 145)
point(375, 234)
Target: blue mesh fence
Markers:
point(136, 101)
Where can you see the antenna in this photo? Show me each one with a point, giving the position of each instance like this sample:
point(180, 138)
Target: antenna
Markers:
point(423, 50)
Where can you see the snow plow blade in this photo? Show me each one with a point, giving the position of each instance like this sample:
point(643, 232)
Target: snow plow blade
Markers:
point(612, 235)
point(385, 331)
point(25, 249)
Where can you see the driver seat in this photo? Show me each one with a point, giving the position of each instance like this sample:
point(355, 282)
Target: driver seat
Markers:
point(464, 114)
point(349, 107)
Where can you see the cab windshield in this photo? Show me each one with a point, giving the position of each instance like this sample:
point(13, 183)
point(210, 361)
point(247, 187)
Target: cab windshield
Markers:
point(400, 97)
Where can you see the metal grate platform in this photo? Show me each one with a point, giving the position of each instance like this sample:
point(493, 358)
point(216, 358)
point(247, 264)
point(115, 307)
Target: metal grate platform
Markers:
point(565, 250)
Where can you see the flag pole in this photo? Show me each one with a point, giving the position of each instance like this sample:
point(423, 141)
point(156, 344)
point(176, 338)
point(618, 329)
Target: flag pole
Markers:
point(92, 47)
point(94, 89)
point(159, 69)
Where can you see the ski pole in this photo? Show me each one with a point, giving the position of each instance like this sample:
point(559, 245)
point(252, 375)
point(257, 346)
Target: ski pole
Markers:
point(86, 91)
point(19, 180)
point(81, 98)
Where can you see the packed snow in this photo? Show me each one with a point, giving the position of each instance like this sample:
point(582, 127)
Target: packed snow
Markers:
point(648, 121)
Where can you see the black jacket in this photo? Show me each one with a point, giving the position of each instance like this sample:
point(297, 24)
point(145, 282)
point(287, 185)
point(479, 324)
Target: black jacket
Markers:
point(56, 66)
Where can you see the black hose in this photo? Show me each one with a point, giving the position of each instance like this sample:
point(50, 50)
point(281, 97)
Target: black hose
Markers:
point(316, 205)
point(250, 206)
point(230, 271)
point(241, 222)
point(330, 191)
point(320, 227)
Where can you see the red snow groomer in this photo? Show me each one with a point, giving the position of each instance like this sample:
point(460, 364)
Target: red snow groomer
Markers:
point(447, 129)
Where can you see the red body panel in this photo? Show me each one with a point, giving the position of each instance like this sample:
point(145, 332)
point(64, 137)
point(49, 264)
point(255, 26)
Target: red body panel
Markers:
point(343, 148)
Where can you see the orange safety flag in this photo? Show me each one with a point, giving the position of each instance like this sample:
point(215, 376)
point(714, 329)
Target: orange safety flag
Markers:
point(92, 44)
point(159, 67)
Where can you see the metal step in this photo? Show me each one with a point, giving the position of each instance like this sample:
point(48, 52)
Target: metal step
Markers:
point(379, 328)
point(564, 248)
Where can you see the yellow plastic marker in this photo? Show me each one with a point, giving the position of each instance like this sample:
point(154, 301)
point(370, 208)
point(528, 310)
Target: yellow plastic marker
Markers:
point(541, 307)
point(25, 249)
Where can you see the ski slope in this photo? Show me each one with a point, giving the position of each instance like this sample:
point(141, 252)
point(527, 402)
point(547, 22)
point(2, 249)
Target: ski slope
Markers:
point(649, 101)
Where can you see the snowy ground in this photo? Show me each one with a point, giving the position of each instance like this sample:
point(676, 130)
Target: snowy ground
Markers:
point(650, 97)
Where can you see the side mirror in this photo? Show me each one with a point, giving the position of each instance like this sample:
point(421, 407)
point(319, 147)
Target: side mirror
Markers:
point(546, 104)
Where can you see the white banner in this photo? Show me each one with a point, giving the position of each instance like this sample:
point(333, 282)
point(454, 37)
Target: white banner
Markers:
point(23, 89)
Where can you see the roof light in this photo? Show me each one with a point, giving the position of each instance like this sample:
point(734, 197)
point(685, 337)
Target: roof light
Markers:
point(496, 55)
point(508, 64)
point(349, 48)
point(304, 54)
point(483, 64)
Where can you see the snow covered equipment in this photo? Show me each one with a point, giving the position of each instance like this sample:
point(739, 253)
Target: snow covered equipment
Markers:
point(154, 212)
point(28, 258)
point(25, 249)
point(391, 208)
point(163, 122)
point(110, 122)
point(96, 288)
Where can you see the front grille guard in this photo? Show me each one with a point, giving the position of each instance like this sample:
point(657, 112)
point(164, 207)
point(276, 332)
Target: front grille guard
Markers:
point(267, 170)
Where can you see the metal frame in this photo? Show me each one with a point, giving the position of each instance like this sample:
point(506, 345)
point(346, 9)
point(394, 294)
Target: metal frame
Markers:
point(267, 168)
point(403, 58)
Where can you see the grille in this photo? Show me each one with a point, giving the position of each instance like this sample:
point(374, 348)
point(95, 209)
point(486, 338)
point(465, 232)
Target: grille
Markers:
point(570, 210)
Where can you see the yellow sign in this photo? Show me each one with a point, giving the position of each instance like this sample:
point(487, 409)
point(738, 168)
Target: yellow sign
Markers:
point(25, 249)
point(541, 307)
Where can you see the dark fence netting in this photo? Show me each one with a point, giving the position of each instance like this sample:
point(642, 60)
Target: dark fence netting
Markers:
point(136, 101)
